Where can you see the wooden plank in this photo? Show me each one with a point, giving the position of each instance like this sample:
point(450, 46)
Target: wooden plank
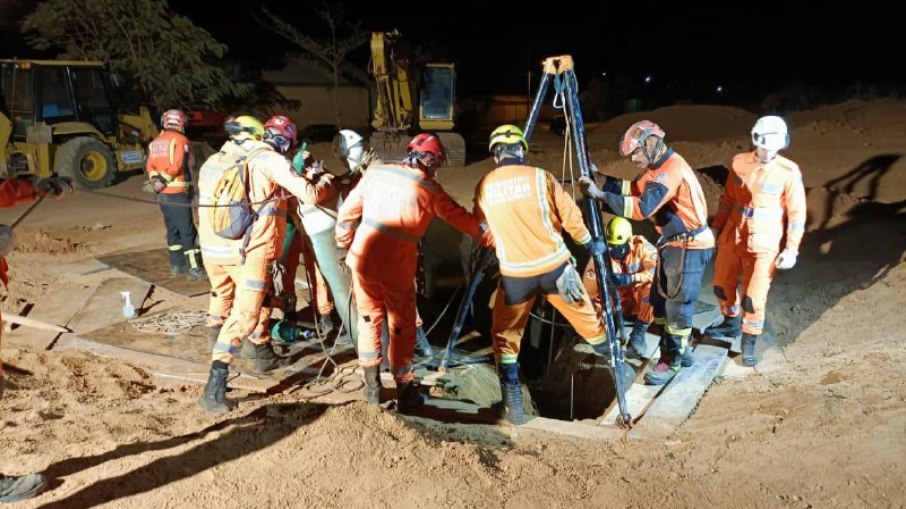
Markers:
point(637, 399)
point(573, 429)
point(104, 306)
point(153, 266)
point(679, 399)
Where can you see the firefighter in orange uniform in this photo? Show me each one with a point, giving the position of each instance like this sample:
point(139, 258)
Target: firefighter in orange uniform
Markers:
point(269, 171)
point(380, 225)
point(668, 192)
point(763, 199)
point(169, 160)
point(633, 261)
point(526, 209)
point(14, 192)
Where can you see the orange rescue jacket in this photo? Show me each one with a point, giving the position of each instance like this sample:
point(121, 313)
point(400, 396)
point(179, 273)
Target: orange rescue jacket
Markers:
point(526, 209)
point(169, 158)
point(757, 200)
point(669, 194)
point(387, 213)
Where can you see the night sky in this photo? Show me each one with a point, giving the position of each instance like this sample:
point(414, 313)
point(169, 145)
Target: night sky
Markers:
point(734, 44)
point(743, 46)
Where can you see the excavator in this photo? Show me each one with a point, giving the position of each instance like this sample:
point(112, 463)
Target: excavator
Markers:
point(399, 81)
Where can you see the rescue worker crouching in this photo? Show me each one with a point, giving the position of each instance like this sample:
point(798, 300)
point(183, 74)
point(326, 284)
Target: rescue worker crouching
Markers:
point(633, 263)
point(764, 190)
point(268, 171)
point(169, 176)
point(668, 192)
point(380, 224)
point(526, 209)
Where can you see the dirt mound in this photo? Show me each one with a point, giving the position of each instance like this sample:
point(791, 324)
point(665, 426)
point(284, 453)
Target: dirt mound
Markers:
point(42, 241)
point(681, 123)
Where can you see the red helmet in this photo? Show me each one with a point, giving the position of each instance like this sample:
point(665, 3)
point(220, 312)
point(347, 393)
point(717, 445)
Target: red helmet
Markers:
point(428, 149)
point(173, 119)
point(280, 132)
point(637, 134)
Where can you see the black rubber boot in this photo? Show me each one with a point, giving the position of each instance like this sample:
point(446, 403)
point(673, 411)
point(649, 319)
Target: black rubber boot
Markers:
point(266, 360)
point(408, 397)
point(176, 270)
point(325, 325)
point(748, 350)
point(511, 391)
point(372, 388)
point(248, 349)
point(729, 328)
point(637, 345)
point(197, 273)
point(213, 334)
point(14, 489)
point(214, 398)
point(422, 347)
point(603, 350)
point(666, 368)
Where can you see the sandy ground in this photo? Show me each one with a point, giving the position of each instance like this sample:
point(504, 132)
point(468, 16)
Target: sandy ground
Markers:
point(826, 429)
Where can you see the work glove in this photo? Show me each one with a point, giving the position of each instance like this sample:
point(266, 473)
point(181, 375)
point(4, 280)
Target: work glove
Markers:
point(621, 279)
point(55, 186)
point(590, 188)
point(569, 285)
point(786, 260)
point(154, 185)
point(595, 248)
point(7, 240)
point(341, 260)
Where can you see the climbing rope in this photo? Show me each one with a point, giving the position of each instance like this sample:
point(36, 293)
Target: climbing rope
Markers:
point(170, 323)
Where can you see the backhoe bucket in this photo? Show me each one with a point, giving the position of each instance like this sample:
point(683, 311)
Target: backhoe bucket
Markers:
point(455, 146)
point(392, 147)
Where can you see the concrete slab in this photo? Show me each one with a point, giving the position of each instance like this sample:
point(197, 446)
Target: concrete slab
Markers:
point(104, 306)
point(153, 266)
point(83, 267)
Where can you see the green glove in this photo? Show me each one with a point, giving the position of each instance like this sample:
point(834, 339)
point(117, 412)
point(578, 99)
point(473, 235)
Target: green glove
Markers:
point(299, 159)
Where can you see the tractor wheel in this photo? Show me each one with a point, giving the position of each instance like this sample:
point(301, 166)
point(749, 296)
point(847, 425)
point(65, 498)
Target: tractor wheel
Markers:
point(88, 161)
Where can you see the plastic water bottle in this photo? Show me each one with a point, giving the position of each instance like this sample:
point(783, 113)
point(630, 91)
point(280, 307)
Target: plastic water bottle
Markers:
point(128, 308)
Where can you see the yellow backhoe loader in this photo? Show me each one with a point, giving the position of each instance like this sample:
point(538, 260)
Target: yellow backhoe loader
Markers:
point(399, 82)
point(58, 116)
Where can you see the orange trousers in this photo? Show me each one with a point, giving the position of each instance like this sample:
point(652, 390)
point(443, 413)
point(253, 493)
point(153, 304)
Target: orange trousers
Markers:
point(379, 297)
point(511, 315)
point(756, 271)
point(247, 316)
point(633, 298)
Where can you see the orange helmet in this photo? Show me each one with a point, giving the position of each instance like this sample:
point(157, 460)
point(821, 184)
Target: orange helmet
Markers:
point(173, 119)
point(427, 149)
point(637, 134)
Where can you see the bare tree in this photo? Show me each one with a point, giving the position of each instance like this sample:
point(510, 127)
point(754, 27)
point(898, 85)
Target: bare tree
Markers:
point(345, 37)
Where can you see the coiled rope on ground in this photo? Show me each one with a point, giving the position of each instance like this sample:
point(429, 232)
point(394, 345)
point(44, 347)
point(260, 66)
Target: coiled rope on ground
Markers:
point(170, 323)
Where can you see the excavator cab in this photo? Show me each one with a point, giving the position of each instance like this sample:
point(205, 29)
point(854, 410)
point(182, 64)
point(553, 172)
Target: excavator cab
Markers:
point(59, 117)
point(399, 82)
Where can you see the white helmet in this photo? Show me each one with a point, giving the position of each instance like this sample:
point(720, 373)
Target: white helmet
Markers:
point(770, 133)
point(351, 145)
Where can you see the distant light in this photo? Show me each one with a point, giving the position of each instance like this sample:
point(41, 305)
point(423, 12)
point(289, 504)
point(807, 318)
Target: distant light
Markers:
point(604, 74)
point(719, 89)
point(647, 79)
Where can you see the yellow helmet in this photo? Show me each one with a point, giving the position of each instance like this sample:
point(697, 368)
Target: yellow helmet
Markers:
point(618, 231)
point(244, 127)
point(508, 134)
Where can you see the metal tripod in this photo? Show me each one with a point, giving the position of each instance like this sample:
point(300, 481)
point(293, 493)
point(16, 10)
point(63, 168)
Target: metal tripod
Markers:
point(560, 70)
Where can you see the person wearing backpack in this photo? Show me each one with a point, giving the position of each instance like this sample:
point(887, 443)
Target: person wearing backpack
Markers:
point(255, 222)
point(169, 160)
point(379, 225)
